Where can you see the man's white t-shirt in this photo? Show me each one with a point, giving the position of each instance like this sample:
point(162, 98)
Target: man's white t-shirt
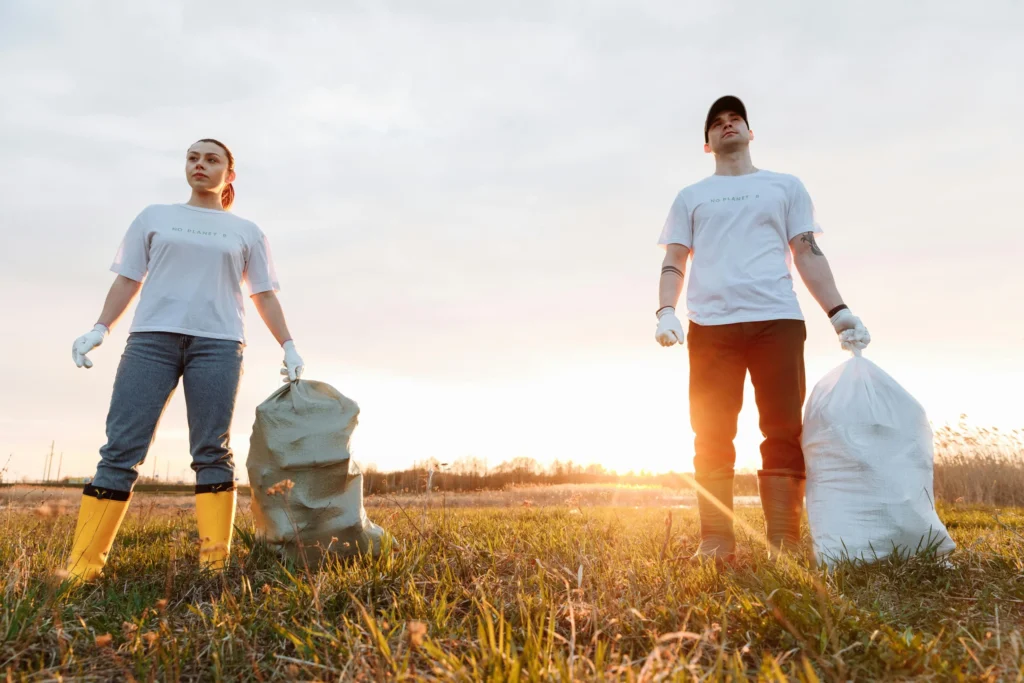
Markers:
point(738, 230)
point(192, 262)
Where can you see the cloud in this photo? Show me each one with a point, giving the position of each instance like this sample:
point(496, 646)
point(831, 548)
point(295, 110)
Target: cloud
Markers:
point(468, 190)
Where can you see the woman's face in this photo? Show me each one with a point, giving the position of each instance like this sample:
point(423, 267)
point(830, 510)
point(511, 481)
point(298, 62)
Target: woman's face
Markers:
point(206, 167)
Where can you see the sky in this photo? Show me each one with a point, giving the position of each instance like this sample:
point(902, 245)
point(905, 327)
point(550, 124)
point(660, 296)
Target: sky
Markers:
point(463, 201)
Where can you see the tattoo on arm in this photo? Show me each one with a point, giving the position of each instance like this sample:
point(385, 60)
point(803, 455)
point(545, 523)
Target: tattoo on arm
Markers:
point(808, 237)
point(671, 269)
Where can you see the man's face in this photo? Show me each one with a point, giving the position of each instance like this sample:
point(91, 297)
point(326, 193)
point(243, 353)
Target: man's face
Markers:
point(728, 132)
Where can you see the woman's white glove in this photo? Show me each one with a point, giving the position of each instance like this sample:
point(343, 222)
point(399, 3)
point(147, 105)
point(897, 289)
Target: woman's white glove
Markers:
point(670, 330)
point(293, 365)
point(86, 343)
point(853, 336)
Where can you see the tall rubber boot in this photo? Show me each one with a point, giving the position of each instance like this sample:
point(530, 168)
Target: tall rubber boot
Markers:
point(99, 518)
point(782, 499)
point(717, 537)
point(215, 515)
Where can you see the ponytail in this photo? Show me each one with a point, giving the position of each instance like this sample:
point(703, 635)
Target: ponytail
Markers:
point(227, 196)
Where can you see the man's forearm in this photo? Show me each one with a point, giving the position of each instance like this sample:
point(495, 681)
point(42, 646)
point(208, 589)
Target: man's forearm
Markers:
point(269, 308)
point(670, 288)
point(121, 293)
point(673, 271)
point(817, 275)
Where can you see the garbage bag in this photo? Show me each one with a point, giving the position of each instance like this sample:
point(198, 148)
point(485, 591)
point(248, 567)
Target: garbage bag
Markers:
point(307, 492)
point(870, 465)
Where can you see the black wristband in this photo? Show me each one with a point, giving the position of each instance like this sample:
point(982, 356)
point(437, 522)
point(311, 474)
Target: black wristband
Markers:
point(840, 307)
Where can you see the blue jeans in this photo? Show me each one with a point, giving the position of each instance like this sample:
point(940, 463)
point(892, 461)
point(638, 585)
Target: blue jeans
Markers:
point(147, 376)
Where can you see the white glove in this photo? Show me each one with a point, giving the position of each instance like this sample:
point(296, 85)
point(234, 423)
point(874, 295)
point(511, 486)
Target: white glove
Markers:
point(293, 365)
point(86, 343)
point(670, 330)
point(853, 336)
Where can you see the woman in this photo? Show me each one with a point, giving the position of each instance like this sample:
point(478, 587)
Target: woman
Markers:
point(189, 325)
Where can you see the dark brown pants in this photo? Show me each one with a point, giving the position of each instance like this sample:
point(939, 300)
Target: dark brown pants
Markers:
point(720, 356)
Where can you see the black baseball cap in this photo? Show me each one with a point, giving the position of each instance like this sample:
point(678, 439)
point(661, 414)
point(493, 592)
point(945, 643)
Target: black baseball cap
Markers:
point(727, 103)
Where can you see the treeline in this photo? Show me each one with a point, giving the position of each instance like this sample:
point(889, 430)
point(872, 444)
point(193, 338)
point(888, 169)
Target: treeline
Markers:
point(472, 474)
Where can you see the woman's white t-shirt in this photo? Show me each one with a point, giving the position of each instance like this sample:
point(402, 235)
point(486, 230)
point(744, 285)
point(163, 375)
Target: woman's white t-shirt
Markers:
point(738, 230)
point(192, 262)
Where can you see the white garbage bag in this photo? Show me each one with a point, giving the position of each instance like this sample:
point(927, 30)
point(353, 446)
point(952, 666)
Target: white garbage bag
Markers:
point(307, 493)
point(870, 459)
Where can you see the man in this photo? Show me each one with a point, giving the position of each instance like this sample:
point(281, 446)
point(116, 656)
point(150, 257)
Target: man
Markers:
point(743, 227)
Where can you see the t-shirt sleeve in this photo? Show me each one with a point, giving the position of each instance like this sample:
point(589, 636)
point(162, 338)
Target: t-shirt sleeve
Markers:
point(132, 258)
point(677, 228)
point(800, 211)
point(260, 275)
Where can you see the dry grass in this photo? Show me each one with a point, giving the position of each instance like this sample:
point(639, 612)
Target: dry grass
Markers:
point(532, 584)
point(515, 593)
point(979, 465)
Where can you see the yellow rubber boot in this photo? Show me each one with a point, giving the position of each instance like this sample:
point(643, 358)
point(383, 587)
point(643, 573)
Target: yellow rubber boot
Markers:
point(215, 514)
point(99, 518)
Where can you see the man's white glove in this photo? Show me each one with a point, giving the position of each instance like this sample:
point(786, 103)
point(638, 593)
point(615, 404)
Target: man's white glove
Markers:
point(86, 343)
point(853, 336)
point(293, 365)
point(670, 330)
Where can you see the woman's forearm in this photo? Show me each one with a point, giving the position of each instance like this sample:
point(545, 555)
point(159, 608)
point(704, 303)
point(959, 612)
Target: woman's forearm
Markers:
point(118, 299)
point(269, 308)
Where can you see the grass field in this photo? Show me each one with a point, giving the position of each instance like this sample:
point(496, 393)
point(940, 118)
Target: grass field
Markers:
point(521, 592)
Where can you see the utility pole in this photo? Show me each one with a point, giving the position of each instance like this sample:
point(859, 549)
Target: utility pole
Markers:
point(60, 463)
point(49, 463)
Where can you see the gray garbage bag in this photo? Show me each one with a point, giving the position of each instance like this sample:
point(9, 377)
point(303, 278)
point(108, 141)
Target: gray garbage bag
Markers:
point(307, 492)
